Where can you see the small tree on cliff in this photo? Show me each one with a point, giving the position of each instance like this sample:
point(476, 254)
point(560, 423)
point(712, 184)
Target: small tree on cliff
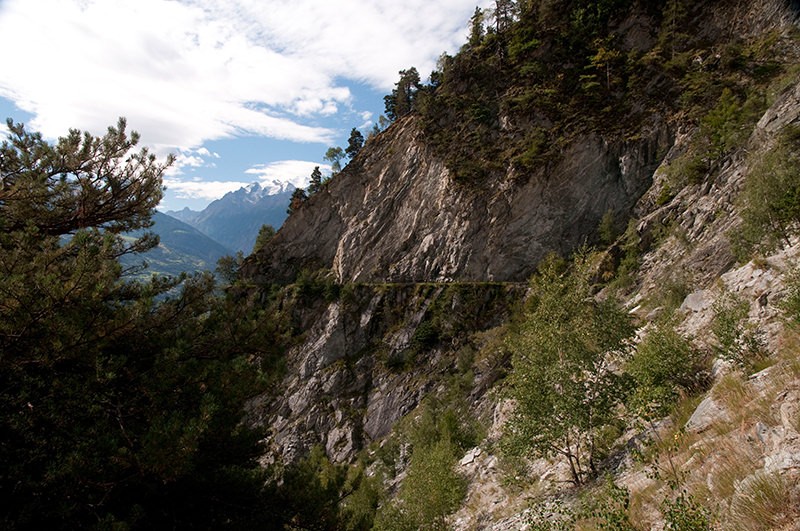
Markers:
point(354, 143)
point(401, 101)
point(315, 183)
point(562, 378)
point(334, 155)
point(299, 197)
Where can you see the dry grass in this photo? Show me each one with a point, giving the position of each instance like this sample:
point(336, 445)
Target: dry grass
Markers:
point(734, 461)
point(746, 403)
point(645, 504)
point(763, 501)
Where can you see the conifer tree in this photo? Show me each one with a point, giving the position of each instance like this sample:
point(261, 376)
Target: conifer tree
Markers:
point(120, 400)
point(315, 183)
point(354, 143)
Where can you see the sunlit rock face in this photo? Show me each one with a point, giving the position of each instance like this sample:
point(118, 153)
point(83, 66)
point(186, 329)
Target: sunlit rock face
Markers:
point(397, 214)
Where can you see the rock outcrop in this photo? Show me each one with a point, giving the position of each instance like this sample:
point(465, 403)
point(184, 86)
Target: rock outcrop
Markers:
point(395, 214)
point(371, 357)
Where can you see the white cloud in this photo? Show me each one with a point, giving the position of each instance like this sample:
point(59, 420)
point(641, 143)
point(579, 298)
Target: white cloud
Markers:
point(206, 190)
point(295, 172)
point(273, 176)
point(185, 72)
point(191, 159)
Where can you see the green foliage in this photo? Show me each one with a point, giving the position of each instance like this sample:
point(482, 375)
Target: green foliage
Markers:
point(561, 68)
point(309, 495)
point(228, 268)
point(354, 143)
point(602, 508)
point(738, 341)
point(670, 296)
point(361, 498)
point(609, 509)
point(664, 366)
point(335, 155)
point(315, 183)
point(265, 234)
point(299, 197)
point(81, 181)
point(688, 168)
point(607, 230)
point(720, 124)
point(684, 513)
point(563, 383)
point(770, 201)
point(551, 517)
point(631, 248)
point(672, 37)
point(476, 28)
point(311, 286)
point(430, 491)
point(425, 336)
point(437, 434)
point(402, 99)
point(790, 304)
point(728, 123)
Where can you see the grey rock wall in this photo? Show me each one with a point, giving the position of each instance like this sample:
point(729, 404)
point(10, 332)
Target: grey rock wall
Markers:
point(395, 214)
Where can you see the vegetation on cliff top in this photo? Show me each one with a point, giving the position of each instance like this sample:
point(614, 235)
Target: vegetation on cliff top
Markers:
point(534, 74)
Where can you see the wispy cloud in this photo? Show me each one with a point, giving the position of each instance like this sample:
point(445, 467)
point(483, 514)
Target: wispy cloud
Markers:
point(273, 176)
point(185, 72)
point(296, 172)
point(197, 189)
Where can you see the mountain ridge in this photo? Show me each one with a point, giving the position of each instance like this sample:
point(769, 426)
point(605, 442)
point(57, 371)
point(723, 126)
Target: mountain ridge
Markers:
point(237, 217)
point(181, 248)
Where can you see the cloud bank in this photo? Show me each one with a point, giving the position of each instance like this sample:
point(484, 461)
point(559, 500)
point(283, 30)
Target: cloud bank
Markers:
point(186, 72)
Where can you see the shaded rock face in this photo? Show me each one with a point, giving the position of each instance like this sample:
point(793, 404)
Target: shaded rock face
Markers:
point(370, 358)
point(395, 214)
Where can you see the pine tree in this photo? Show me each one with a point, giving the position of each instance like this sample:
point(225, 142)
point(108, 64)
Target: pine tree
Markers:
point(120, 401)
point(476, 32)
point(354, 143)
point(315, 183)
point(401, 101)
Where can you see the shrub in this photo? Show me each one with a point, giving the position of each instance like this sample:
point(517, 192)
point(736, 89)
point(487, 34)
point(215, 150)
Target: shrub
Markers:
point(790, 304)
point(684, 513)
point(770, 200)
point(431, 490)
point(664, 365)
point(738, 341)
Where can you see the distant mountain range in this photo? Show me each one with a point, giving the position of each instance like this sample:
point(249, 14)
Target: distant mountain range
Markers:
point(235, 219)
point(181, 248)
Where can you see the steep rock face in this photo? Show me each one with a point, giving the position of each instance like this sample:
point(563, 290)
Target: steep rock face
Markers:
point(701, 218)
point(371, 356)
point(395, 214)
point(751, 428)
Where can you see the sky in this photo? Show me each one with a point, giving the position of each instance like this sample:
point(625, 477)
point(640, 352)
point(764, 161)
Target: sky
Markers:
point(240, 91)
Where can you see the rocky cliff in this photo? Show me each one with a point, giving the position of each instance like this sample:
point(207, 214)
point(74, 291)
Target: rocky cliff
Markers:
point(395, 214)
point(433, 267)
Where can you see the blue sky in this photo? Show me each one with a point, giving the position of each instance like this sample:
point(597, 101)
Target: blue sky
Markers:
point(241, 90)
